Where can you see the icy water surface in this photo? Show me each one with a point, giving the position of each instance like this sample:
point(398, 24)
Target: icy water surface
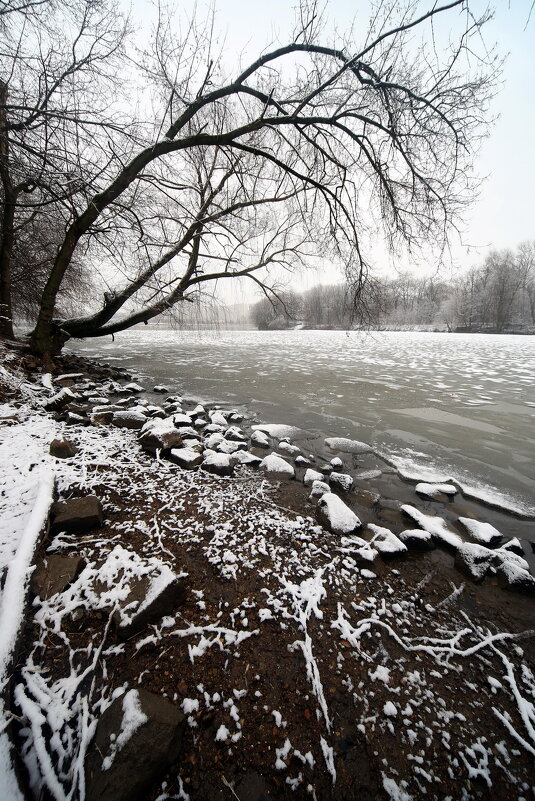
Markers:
point(436, 406)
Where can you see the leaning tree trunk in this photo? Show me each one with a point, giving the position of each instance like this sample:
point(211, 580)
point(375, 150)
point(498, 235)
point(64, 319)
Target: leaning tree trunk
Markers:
point(7, 222)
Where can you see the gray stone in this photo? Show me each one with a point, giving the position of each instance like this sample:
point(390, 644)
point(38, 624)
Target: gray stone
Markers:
point(417, 539)
point(76, 515)
point(129, 419)
point(159, 435)
point(341, 481)
point(54, 574)
point(138, 762)
point(101, 418)
point(219, 464)
point(474, 560)
point(63, 449)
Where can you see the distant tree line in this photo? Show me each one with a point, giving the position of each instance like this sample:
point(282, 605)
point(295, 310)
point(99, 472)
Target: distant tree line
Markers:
point(496, 296)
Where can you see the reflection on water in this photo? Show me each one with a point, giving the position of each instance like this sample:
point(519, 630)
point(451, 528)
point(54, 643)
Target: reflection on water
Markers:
point(436, 405)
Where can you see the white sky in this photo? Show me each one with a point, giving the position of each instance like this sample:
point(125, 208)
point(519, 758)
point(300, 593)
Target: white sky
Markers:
point(503, 216)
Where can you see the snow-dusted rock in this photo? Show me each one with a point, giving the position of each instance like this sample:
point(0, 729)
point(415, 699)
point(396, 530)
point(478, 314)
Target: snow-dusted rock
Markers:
point(218, 463)
point(417, 539)
point(151, 597)
point(101, 418)
point(277, 467)
point(160, 388)
point(386, 542)
point(278, 430)
point(213, 440)
point(505, 555)
point(334, 515)
point(435, 490)
point(347, 445)
point(218, 418)
point(235, 434)
point(436, 526)
point(302, 461)
point(286, 447)
point(231, 446)
point(185, 457)
point(246, 458)
point(259, 439)
point(513, 577)
point(137, 739)
point(130, 418)
point(514, 545)
point(341, 481)
point(474, 560)
point(318, 489)
point(159, 435)
point(181, 420)
point(336, 463)
point(483, 533)
point(133, 387)
point(59, 400)
point(311, 476)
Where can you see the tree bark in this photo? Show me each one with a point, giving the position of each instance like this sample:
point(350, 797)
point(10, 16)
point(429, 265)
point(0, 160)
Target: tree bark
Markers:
point(7, 222)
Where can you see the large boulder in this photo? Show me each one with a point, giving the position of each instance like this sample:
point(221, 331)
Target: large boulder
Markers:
point(185, 457)
point(515, 578)
point(474, 560)
point(137, 739)
point(76, 515)
point(482, 533)
point(333, 514)
point(386, 542)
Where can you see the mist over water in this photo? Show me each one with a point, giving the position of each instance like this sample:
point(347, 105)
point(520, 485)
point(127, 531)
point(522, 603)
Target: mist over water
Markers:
point(436, 405)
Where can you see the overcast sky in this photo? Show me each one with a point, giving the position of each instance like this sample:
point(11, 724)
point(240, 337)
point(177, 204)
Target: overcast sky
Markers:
point(503, 216)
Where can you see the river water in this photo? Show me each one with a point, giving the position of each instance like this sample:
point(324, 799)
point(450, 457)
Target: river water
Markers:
point(436, 406)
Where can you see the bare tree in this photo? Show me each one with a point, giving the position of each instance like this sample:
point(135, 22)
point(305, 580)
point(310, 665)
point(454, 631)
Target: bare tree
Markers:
point(332, 134)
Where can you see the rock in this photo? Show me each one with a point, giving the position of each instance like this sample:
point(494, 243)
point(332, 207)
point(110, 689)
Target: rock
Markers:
point(213, 440)
point(63, 449)
point(129, 419)
point(181, 420)
point(76, 419)
point(417, 539)
point(159, 435)
point(160, 389)
point(291, 450)
point(333, 514)
point(341, 481)
point(101, 418)
point(311, 476)
point(259, 439)
point(474, 560)
point(436, 526)
point(54, 574)
point(386, 542)
point(435, 490)
point(336, 463)
point(218, 419)
point(246, 458)
point(514, 545)
point(347, 445)
point(230, 446)
point(366, 498)
point(318, 489)
point(58, 401)
point(277, 467)
point(76, 515)
point(137, 740)
point(132, 388)
point(516, 579)
point(151, 597)
point(96, 399)
point(483, 533)
point(235, 434)
point(302, 461)
point(218, 463)
point(185, 457)
point(364, 554)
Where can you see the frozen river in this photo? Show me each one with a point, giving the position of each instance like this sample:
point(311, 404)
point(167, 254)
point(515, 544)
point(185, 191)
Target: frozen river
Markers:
point(435, 405)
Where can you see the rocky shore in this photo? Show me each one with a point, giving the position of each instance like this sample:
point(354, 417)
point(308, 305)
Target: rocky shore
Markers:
point(216, 611)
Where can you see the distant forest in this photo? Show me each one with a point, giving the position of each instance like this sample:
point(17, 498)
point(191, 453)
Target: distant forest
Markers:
point(497, 296)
